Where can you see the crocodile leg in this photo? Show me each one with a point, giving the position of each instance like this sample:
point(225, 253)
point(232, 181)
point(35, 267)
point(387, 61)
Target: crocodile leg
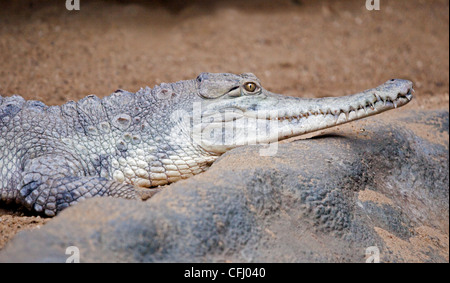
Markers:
point(48, 186)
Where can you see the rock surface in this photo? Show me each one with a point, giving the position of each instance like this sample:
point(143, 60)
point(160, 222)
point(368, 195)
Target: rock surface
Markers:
point(324, 199)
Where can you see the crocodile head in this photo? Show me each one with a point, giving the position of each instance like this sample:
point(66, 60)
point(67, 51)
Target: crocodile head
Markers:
point(234, 110)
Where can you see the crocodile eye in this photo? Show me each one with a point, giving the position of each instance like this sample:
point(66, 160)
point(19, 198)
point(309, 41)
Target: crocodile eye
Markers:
point(250, 87)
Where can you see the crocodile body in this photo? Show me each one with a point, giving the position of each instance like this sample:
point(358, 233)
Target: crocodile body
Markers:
point(52, 157)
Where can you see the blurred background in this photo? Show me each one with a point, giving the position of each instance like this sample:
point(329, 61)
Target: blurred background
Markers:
point(309, 48)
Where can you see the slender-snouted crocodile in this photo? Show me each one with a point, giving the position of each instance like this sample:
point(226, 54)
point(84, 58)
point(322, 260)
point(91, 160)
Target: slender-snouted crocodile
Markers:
point(52, 157)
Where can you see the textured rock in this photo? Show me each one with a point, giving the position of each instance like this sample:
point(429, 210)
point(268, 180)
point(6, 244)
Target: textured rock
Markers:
point(324, 199)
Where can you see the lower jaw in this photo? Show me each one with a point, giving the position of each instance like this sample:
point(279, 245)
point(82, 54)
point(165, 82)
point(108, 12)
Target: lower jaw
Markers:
point(290, 127)
point(274, 129)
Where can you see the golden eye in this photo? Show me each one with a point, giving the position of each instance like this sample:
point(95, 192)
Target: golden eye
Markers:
point(250, 87)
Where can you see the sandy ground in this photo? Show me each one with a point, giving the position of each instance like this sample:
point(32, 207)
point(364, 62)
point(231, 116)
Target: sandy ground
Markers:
point(306, 48)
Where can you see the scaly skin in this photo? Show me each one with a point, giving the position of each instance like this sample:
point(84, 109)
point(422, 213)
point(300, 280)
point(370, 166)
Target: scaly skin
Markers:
point(53, 157)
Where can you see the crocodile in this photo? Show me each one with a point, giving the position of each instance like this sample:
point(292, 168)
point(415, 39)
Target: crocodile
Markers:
point(130, 144)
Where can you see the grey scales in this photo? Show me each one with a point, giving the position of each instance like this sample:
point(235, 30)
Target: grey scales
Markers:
point(127, 144)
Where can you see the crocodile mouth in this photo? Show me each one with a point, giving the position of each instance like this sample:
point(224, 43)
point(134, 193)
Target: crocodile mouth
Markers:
point(370, 106)
point(296, 116)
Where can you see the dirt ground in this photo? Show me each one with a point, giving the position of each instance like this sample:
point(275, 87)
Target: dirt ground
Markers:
point(309, 48)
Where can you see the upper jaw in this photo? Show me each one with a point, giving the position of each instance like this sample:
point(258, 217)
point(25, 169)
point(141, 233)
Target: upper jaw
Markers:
point(392, 94)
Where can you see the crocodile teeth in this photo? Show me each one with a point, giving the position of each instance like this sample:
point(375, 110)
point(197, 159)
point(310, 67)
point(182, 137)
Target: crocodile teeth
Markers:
point(395, 103)
point(377, 96)
point(409, 97)
point(336, 117)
